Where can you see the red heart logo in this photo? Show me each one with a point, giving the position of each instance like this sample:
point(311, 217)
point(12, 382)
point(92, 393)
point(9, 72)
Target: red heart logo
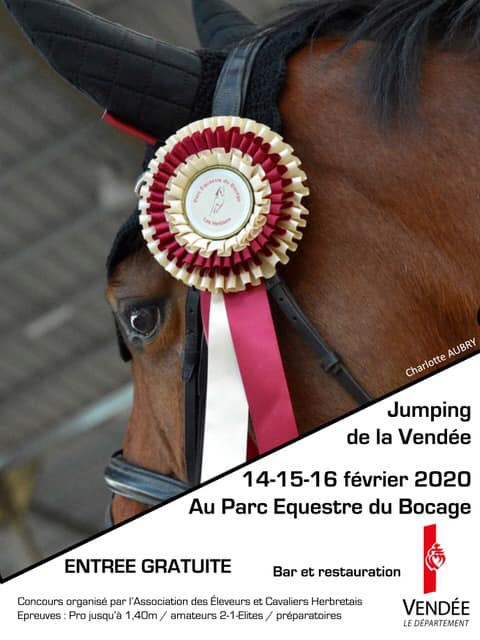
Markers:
point(437, 560)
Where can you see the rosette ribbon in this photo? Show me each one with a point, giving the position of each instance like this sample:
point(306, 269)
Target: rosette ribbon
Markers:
point(221, 208)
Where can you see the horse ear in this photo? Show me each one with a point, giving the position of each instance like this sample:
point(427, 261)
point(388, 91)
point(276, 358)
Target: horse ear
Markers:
point(220, 25)
point(144, 82)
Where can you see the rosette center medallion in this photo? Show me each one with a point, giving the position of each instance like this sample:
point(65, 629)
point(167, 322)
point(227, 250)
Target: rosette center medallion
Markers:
point(218, 202)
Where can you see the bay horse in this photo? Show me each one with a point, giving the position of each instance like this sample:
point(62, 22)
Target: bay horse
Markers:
point(380, 100)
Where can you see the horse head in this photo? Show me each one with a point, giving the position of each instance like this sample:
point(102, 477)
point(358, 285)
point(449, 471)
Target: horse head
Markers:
point(389, 267)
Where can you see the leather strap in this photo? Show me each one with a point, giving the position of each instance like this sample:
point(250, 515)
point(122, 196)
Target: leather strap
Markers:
point(139, 484)
point(232, 86)
point(195, 383)
point(108, 519)
point(329, 360)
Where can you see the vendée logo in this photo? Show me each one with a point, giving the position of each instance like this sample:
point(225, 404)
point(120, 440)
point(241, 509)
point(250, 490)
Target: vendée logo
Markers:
point(433, 558)
point(431, 612)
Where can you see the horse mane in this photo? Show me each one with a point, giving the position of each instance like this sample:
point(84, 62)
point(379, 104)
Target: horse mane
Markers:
point(400, 32)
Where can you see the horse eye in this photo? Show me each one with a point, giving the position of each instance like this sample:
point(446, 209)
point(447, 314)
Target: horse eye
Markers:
point(145, 321)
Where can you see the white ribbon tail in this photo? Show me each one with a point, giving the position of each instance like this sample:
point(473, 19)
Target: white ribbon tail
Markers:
point(226, 420)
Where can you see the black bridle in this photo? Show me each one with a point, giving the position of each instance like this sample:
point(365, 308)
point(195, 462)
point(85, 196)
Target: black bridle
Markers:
point(152, 488)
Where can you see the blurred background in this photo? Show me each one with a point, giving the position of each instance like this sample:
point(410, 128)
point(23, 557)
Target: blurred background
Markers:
point(66, 184)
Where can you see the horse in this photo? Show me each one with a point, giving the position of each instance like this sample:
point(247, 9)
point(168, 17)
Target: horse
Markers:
point(218, 202)
point(380, 101)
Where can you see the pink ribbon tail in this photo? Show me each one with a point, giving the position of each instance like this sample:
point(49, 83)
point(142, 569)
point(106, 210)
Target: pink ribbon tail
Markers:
point(261, 367)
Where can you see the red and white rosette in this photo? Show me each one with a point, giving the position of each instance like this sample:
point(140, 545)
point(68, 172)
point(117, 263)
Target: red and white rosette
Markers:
point(221, 207)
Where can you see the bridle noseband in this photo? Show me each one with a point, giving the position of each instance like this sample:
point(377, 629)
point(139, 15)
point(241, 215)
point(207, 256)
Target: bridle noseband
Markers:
point(152, 488)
